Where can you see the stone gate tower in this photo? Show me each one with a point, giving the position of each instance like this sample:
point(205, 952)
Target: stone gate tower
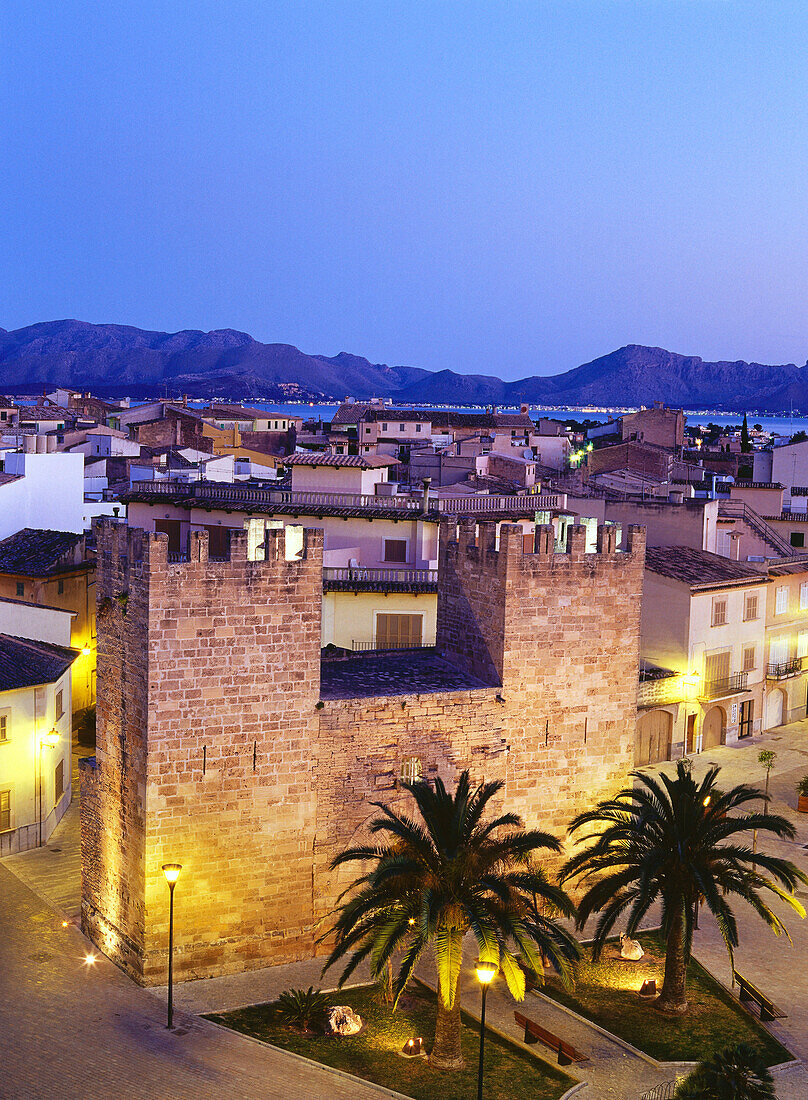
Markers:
point(208, 676)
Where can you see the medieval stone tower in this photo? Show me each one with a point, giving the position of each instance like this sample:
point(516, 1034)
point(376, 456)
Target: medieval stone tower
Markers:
point(220, 747)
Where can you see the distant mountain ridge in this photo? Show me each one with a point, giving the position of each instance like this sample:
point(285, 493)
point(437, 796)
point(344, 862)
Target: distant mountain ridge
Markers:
point(119, 359)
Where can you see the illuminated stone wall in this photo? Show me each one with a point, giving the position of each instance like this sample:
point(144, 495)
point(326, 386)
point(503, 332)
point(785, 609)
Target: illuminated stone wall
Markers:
point(216, 751)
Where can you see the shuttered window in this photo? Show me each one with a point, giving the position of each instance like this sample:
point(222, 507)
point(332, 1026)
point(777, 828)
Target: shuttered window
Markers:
point(804, 596)
point(778, 650)
point(749, 658)
point(58, 781)
point(4, 727)
point(802, 643)
point(716, 667)
point(5, 811)
point(720, 611)
point(398, 631)
point(750, 607)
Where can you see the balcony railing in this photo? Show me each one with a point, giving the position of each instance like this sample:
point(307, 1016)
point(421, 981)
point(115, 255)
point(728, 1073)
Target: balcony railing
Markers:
point(380, 578)
point(735, 684)
point(782, 670)
point(471, 504)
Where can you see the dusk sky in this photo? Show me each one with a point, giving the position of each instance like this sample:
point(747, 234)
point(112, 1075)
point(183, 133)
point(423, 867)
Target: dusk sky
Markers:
point(502, 188)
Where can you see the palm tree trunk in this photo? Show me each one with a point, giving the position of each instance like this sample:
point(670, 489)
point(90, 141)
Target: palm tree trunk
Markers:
point(673, 998)
point(446, 1050)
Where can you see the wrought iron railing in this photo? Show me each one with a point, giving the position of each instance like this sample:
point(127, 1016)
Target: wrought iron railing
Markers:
point(665, 1091)
point(781, 670)
point(358, 575)
point(733, 684)
point(376, 647)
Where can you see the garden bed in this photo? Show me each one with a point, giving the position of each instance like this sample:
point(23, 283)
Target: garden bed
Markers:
point(606, 993)
point(510, 1074)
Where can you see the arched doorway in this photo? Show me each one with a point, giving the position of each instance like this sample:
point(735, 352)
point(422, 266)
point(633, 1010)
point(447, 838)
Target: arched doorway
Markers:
point(653, 740)
point(712, 730)
point(775, 704)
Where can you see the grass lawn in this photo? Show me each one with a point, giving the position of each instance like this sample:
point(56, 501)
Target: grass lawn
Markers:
point(373, 1053)
point(606, 992)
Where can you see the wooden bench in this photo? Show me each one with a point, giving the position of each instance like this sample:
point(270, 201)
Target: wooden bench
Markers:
point(748, 992)
point(534, 1033)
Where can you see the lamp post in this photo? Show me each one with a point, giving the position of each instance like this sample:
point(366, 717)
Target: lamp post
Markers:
point(172, 873)
point(486, 972)
point(51, 740)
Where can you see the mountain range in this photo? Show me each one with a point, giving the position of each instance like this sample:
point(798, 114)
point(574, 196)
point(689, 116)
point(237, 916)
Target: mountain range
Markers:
point(119, 359)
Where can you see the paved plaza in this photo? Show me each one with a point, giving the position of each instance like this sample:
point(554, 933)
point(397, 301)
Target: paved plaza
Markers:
point(73, 1030)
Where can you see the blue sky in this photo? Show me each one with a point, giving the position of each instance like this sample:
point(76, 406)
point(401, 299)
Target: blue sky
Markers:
point(507, 188)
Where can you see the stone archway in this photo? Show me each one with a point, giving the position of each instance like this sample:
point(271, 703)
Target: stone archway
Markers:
point(775, 708)
point(713, 728)
point(653, 738)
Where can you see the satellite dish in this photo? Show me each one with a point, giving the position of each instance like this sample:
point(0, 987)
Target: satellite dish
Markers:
point(527, 453)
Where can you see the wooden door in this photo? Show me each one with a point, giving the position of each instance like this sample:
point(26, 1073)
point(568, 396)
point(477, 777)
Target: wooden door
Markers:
point(690, 739)
point(713, 729)
point(654, 733)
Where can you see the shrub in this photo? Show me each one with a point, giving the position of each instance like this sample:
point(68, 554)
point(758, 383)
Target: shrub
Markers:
point(737, 1073)
point(301, 1007)
point(802, 786)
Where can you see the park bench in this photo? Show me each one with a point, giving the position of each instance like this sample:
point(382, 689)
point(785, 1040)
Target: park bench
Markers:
point(748, 992)
point(534, 1033)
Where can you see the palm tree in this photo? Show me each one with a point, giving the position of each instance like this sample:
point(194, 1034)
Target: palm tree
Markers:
point(430, 881)
point(671, 840)
point(738, 1073)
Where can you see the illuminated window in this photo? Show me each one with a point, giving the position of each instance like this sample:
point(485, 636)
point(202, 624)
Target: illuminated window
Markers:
point(781, 600)
point(411, 769)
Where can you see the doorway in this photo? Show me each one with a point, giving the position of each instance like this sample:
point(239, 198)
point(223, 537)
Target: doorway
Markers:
point(747, 717)
point(690, 738)
point(774, 708)
point(654, 734)
point(713, 729)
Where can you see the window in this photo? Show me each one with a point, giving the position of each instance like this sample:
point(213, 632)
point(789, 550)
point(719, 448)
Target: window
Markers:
point(781, 600)
point(58, 781)
point(778, 650)
point(5, 811)
point(417, 427)
point(748, 658)
point(804, 596)
point(395, 551)
point(59, 705)
point(798, 538)
point(20, 588)
point(411, 769)
point(4, 724)
point(398, 631)
point(716, 667)
point(384, 427)
point(60, 588)
point(750, 607)
point(172, 528)
point(720, 611)
point(802, 643)
point(367, 431)
point(401, 427)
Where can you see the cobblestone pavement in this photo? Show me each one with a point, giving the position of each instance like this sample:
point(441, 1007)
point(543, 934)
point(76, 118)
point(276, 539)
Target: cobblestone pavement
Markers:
point(69, 1031)
point(54, 870)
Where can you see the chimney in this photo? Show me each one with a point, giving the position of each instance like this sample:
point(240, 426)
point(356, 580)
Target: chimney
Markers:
point(427, 481)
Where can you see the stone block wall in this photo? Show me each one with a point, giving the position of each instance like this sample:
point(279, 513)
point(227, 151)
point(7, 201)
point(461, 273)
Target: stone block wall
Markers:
point(560, 634)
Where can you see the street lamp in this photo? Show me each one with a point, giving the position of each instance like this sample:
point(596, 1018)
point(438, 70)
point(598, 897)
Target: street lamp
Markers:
point(172, 873)
point(51, 739)
point(486, 972)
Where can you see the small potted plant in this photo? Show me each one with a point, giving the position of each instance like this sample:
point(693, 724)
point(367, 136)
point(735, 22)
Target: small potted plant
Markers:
point(802, 795)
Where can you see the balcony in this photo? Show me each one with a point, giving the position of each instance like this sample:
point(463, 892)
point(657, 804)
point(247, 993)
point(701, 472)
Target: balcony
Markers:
point(309, 502)
point(357, 579)
point(658, 687)
point(784, 670)
point(735, 684)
